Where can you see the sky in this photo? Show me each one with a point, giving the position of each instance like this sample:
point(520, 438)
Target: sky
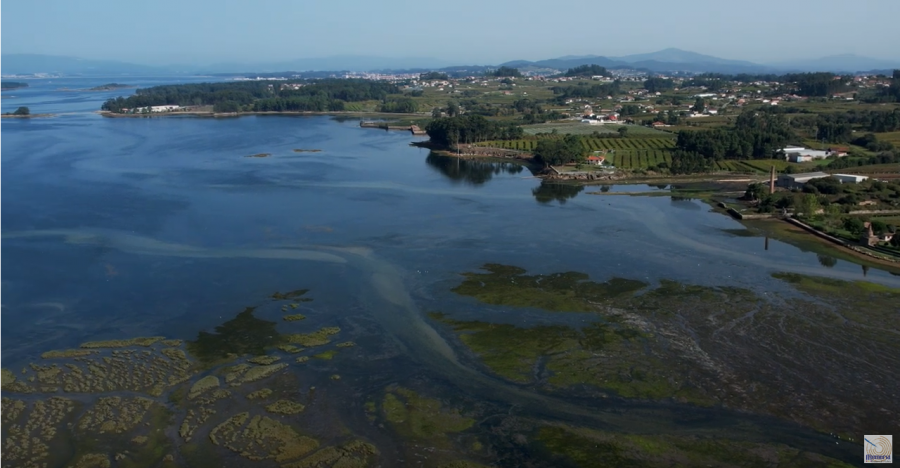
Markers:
point(164, 32)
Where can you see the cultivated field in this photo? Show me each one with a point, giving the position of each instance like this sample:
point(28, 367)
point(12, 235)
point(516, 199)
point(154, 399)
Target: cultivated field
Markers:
point(593, 144)
point(578, 128)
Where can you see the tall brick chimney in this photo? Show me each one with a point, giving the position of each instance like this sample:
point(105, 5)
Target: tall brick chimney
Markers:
point(772, 181)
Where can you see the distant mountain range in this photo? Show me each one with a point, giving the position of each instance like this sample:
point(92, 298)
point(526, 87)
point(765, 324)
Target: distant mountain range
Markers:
point(668, 60)
point(671, 60)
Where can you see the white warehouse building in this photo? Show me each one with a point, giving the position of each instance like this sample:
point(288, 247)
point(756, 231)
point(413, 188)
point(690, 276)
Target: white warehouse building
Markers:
point(849, 178)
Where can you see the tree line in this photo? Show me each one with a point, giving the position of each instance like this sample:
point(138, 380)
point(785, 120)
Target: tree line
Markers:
point(588, 70)
point(556, 151)
point(584, 90)
point(755, 135)
point(448, 131)
point(838, 127)
point(504, 71)
point(821, 84)
point(657, 84)
point(319, 95)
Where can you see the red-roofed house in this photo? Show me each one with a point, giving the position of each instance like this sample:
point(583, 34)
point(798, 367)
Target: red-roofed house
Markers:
point(595, 160)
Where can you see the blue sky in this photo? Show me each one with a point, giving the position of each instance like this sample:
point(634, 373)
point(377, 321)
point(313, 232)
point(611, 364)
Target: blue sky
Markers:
point(458, 31)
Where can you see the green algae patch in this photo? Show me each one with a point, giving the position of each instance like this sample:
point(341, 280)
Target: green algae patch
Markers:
point(610, 356)
point(262, 438)
point(206, 383)
point(557, 292)
point(67, 353)
point(354, 454)
point(93, 460)
point(417, 417)
point(293, 317)
point(296, 295)
point(289, 348)
point(317, 338)
point(297, 150)
point(588, 448)
point(260, 155)
point(242, 335)
point(233, 373)
point(285, 407)
point(346, 344)
point(261, 372)
point(260, 394)
point(264, 360)
point(327, 355)
point(157, 446)
point(7, 377)
point(302, 359)
point(463, 464)
point(141, 341)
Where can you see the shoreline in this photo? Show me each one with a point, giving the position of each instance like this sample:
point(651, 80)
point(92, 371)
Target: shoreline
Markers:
point(205, 113)
point(792, 234)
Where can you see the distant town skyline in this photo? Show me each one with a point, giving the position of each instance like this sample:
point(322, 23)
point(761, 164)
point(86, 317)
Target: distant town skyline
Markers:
point(168, 32)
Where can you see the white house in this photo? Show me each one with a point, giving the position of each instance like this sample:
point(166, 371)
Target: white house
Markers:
point(166, 108)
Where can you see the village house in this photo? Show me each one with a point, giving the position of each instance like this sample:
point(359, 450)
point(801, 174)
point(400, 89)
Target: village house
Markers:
point(870, 239)
point(595, 160)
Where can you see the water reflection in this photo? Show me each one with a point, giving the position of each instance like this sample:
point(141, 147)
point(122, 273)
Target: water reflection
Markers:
point(470, 171)
point(826, 261)
point(548, 192)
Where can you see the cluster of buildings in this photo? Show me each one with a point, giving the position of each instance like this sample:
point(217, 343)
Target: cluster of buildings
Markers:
point(798, 154)
point(153, 109)
point(605, 116)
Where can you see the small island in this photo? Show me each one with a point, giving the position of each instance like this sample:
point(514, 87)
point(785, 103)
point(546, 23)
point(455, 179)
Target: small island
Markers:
point(23, 113)
point(7, 85)
point(110, 87)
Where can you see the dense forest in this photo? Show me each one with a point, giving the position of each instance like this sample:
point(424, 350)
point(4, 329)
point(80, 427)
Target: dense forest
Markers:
point(838, 127)
point(260, 96)
point(588, 70)
point(556, 151)
point(585, 90)
point(504, 71)
point(467, 128)
point(657, 84)
point(433, 76)
point(755, 135)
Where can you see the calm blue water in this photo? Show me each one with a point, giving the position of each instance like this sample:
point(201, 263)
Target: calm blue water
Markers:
point(120, 227)
point(143, 226)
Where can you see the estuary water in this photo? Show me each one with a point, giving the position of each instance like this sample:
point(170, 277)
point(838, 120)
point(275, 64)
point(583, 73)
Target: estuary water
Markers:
point(123, 227)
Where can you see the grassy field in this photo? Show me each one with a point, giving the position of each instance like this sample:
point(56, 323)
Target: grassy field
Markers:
point(893, 137)
point(578, 128)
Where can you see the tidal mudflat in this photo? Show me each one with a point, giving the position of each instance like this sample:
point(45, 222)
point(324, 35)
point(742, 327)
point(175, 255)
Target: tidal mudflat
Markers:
point(170, 302)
